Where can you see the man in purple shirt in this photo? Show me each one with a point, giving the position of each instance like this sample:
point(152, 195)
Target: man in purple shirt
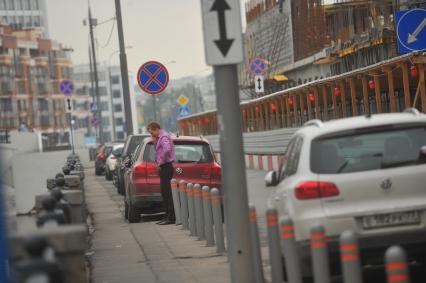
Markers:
point(165, 156)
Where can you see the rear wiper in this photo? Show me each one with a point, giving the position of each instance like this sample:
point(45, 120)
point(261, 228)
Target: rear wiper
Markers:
point(397, 163)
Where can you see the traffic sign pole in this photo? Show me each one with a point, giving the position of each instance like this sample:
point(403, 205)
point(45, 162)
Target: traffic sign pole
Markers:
point(234, 174)
point(71, 132)
point(224, 50)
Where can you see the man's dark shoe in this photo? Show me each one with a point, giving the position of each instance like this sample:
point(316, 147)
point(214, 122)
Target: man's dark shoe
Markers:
point(166, 222)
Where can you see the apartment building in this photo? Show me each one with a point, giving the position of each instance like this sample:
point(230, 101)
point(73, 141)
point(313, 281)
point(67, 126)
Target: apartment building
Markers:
point(31, 69)
point(111, 97)
point(25, 14)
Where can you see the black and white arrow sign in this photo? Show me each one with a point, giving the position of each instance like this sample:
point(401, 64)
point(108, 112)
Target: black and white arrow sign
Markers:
point(259, 84)
point(68, 105)
point(222, 31)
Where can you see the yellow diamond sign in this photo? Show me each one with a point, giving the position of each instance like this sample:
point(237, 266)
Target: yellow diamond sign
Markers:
point(183, 100)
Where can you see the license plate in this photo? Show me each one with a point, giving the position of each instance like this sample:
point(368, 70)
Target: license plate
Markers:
point(391, 219)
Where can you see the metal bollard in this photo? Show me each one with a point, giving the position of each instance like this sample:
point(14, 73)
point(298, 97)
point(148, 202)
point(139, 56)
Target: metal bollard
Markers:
point(396, 265)
point(217, 219)
point(290, 252)
point(176, 201)
point(184, 205)
point(191, 209)
point(319, 254)
point(349, 256)
point(274, 246)
point(198, 201)
point(257, 255)
point(208, 218)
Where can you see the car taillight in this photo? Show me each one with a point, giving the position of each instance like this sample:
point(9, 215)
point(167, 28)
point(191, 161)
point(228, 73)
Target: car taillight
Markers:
point(216, 172)
point(315, 190)
point(113, 157)
point(139, 171)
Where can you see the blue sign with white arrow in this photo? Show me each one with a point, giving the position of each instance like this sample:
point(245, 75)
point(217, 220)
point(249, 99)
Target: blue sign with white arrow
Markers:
point(411, 30)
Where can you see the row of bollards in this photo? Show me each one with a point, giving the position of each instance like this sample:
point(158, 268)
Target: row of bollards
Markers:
point(284, 252)
point(55, 252)
point(199, 210)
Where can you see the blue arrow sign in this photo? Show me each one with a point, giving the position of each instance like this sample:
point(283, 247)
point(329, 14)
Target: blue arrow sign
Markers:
point(411, 30)
point(93, 107)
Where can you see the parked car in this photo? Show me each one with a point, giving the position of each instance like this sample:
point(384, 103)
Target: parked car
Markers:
point(110, 164)
point(130, 145)
point(103, 153)
point(195, 163)
point(365, 174)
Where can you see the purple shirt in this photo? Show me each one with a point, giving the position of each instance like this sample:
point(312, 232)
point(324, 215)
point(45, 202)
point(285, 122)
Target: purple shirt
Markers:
point(164, 148)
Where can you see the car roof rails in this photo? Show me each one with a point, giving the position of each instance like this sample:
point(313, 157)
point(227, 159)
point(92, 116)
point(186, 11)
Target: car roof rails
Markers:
point(177, 134)
point(314, 122)
point(413, 111)
point(201, 137)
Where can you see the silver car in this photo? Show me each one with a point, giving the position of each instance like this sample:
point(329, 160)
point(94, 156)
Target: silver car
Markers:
point(366, 174)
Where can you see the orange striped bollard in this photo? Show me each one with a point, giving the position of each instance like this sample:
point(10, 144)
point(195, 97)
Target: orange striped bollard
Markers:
point(255, 245)
point(349, 256)
point(176, 201)
point(274, 246)
point(319, 254)
point(208, 217)
point(183, 205)
point(396, 265)
point(191, 209)
point(217, 220)
point(198, 200)
point(290, 251)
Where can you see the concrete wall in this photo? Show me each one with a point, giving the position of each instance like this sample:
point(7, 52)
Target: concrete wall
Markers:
point(30, 171)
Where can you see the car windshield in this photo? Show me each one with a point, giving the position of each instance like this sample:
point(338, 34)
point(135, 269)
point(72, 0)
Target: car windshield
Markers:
point(108, 150)
point(367, 150)
point(186, 152)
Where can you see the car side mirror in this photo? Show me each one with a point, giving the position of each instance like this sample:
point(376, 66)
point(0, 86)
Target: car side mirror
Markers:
point(128, 163)
point(271, 179)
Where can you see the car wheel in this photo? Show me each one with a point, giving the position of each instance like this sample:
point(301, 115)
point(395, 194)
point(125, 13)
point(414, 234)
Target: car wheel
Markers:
point(134, 215)
point(126, 211)
point(108, 174)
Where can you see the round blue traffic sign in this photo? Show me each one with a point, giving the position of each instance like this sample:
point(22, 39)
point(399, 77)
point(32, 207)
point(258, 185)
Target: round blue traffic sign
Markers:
point(153, 77)
point(411, 30)
point(66, 87)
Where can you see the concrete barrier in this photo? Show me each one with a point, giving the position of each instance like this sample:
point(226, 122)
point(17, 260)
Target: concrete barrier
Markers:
point(75, 200)
point(69, 243)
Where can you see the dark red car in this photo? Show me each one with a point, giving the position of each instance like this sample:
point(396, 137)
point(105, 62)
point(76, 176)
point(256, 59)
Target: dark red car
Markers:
point(195, 163)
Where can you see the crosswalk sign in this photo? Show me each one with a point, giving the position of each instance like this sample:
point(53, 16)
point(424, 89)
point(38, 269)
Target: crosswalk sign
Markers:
point(184, 111)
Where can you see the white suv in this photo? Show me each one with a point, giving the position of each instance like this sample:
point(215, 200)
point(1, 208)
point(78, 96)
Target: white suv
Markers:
point(366, 174)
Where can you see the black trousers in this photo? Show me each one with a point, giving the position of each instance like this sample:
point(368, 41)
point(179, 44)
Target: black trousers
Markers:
point(166, 175)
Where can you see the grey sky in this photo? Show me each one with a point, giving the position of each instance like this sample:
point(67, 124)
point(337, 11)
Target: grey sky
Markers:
point(163, 30)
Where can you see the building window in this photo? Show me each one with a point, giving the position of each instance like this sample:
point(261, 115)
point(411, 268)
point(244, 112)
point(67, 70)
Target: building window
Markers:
point(11, 4)
point(115, 80)
point(37, 21)
point(119, 122)
point(118, 108)
point(18, 4)
point(104, 106)
point(44, 121)
point(120, 135)
point(2, 5)
point(28, 22)
point(107, 137)
point(116, 93)
point(82, 123)
point(35, 5)
point(5, 105)
point(27, 4)
point(103, 91)
point(105, 122)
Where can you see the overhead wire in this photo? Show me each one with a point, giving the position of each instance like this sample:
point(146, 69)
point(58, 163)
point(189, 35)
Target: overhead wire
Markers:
point(109, 36)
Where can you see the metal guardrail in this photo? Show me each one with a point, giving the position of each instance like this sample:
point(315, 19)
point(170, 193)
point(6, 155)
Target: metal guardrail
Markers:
point(267, 142)
point(4, 137)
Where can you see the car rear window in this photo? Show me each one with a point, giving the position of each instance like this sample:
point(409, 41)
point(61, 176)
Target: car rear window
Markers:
point(186, 152)
point(134, 142)
point(367, 150)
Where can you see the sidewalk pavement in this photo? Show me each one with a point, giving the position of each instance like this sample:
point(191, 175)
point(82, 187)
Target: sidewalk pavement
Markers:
point(143, 252)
